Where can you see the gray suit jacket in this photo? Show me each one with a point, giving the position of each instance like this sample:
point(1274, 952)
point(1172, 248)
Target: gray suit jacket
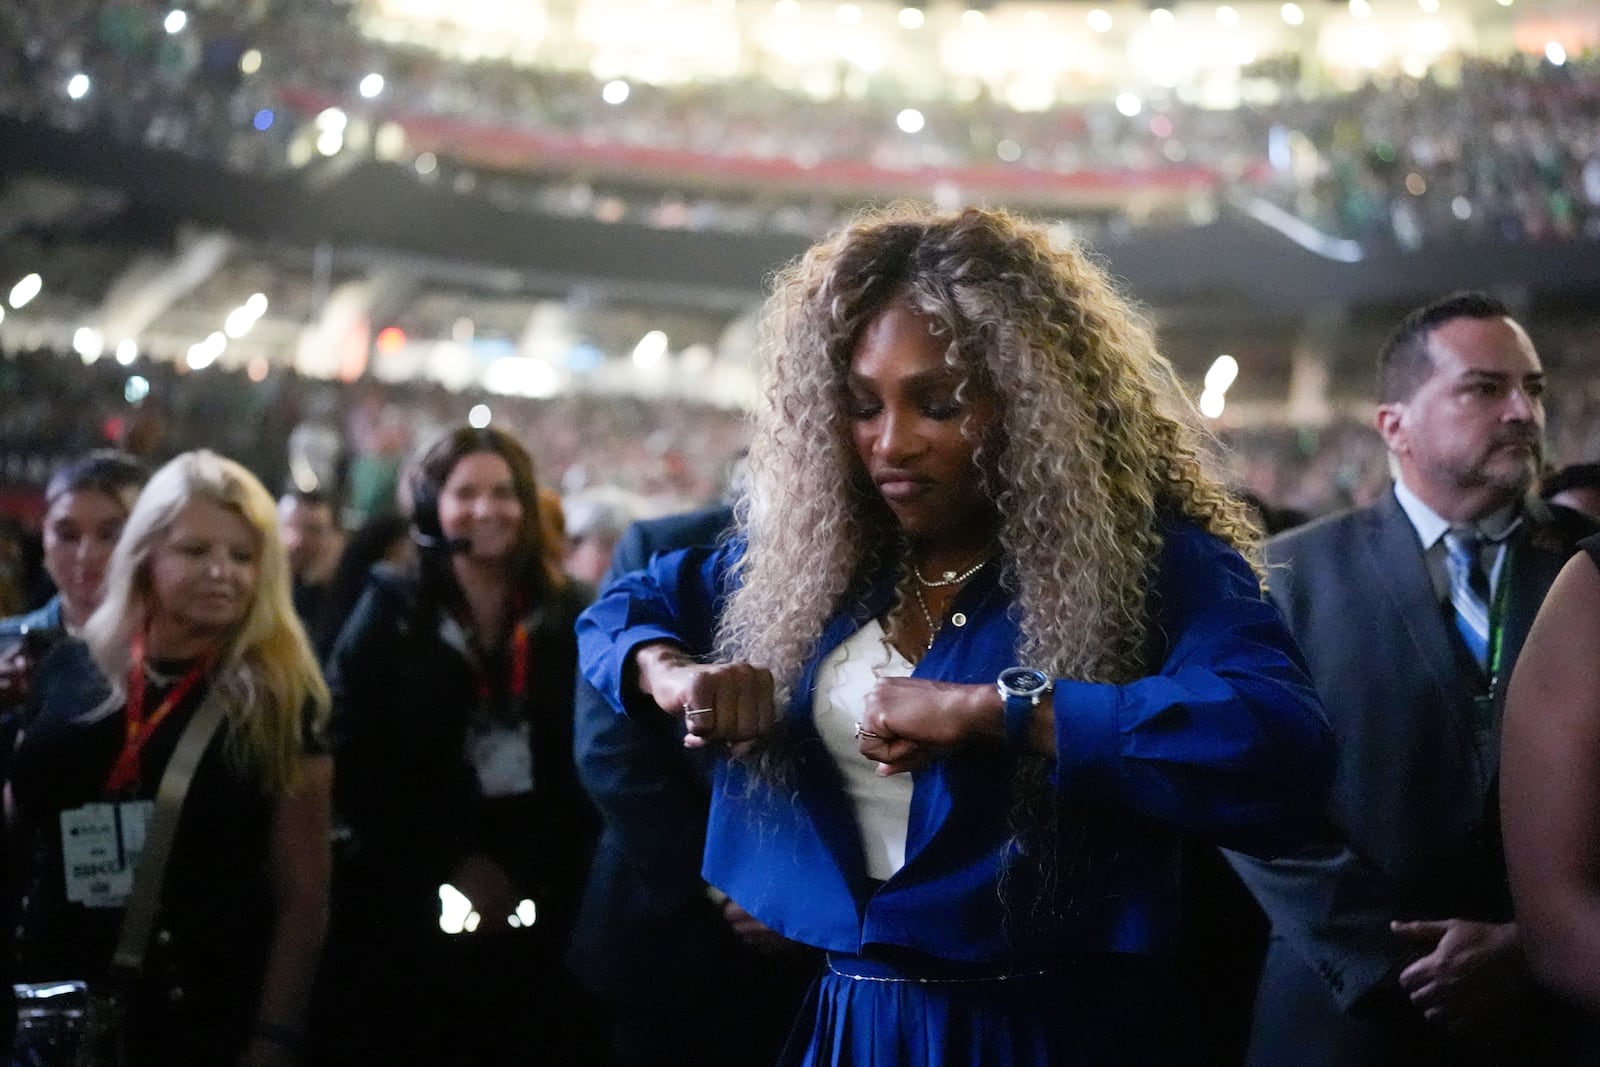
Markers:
point(1412, 827)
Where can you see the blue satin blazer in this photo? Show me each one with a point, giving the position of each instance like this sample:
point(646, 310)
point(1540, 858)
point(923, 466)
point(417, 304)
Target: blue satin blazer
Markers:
point(1224, 739)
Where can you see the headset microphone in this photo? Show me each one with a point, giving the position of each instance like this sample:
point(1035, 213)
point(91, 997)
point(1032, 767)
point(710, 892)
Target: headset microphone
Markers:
point(447, 545)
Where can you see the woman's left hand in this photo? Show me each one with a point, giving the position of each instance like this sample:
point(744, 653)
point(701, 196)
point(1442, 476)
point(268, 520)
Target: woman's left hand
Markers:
point(908, 722)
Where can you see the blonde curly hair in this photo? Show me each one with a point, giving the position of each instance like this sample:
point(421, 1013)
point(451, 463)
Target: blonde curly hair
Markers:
point(1096, 440)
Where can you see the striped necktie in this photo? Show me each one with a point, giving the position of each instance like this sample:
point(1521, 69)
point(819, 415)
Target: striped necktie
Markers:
point(1469, 590)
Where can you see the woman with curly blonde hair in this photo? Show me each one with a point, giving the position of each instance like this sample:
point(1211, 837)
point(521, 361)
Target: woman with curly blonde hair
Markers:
point(196, 608)
point(988, 643)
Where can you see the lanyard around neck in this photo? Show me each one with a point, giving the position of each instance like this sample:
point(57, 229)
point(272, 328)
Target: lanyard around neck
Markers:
point(1497, 617)
point(517, 669)
point(137, 726)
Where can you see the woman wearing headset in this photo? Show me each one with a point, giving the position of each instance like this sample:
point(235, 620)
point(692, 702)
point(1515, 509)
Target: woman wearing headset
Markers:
point(452, 732)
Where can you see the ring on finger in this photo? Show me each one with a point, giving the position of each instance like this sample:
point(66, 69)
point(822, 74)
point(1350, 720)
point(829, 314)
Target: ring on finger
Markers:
point(862, 731)
point(695, 713)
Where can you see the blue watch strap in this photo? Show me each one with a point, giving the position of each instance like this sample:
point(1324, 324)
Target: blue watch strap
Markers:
point(1019, 719)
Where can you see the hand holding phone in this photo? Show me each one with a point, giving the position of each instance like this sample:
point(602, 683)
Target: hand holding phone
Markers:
point(18, 655)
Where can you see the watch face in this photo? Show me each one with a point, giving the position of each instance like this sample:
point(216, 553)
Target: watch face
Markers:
point(1023, 681)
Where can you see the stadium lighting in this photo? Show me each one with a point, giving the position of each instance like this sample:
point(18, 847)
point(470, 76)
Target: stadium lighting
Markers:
point(26, 290)
point(1361, 9)
point(1224, 371)
point(1163, 18)
point(615, 92)
point(391, 339)
point(1099, 20)
point(910, 120)
point(1555, 53)
point(238, 323)
point(371, 85)
point(78, 86)
point(1008, 150)
point(136, 389)
point(912, 18)
point(205, 353)
point(521, 376)
point(127, 351)
point(250, 62)
point(651, 350)
point(1129, 104)
point(175, 21)
point(479, 416)
point(848, 13)
point(87, 342)
point(1227, 16)
point(1212, 404)
point(1292, 14)
point(257, 304)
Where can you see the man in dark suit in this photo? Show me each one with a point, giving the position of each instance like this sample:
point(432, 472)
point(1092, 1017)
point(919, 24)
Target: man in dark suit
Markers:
point(1393, 940)
point(652, 940)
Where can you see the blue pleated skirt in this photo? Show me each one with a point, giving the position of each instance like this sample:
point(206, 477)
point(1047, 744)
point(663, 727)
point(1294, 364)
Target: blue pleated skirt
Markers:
point(1089, 1011)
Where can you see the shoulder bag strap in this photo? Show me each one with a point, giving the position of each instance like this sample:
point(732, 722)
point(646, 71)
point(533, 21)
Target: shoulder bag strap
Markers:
point(152, 873)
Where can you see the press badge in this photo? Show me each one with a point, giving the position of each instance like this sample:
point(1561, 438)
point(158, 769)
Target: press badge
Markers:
point(500, 755)
point(100, 849)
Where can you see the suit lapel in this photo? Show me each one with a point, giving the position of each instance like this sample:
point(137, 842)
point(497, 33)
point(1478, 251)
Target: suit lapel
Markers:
point(1395, 563)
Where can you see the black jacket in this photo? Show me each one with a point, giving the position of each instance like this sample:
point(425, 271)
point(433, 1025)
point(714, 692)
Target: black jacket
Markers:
point(405, 793)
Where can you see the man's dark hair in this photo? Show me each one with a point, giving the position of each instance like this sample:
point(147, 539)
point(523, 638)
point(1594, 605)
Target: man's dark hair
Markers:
point(105, 470)
point(1576, 476)
point(1403, 361)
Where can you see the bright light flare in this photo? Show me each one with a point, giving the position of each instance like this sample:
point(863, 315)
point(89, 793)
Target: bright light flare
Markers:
point(88, 343)
point(25, 290)
point(651, 350)
point(1223, 373)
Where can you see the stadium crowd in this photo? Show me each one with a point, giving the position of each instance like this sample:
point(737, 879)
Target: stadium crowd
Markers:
point(1503, 147)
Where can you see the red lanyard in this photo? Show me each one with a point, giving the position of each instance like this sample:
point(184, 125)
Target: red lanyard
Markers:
point(519, 668)
point(137, 728)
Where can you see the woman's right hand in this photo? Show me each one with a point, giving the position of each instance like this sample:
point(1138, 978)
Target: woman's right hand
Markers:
point(727, 702)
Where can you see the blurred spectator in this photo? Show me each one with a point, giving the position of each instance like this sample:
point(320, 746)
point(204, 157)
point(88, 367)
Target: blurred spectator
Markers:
point(196, 616)
point(382, 539)
point(453, 687)
point(313, 540)
point(596, 519)
point(649, 920)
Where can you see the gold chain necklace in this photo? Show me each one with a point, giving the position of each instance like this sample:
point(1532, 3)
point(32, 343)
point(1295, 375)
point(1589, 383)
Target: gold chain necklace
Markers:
point(933, 627)
point(948, 577)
